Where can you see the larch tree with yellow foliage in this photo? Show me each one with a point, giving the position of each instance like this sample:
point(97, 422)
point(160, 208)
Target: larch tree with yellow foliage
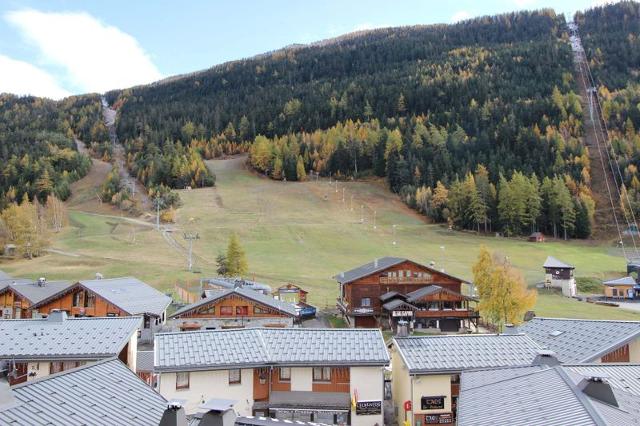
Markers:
point(502, 291)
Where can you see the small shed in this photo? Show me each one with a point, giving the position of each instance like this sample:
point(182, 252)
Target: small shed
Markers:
point(622, 288)
point(558, 274)
point(536, 237)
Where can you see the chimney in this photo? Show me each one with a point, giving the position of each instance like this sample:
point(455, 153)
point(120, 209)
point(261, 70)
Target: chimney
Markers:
point(42, 281)
point(402, 328)
point(57, 315)
point(509, 329)
point(99, 276)
point(174, 414)
point(546, 357)
point(598, 388)
point(219, 412)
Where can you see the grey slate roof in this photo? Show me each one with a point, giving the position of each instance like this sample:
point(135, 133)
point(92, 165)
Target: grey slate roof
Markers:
point(389, 306)
point(130, 294)
point(622, 376)
point(580, 340)
point(621, 281)
point(35, 293)
point(104, 393)
point(284, 307)
point(475, 378)
point(377, 265)
point(549, 396)
point(430, 354)
point(223, 349)
point(72, 338)
point(432, 289)
point(552, 262)
point(144, 361)
point(368, 269)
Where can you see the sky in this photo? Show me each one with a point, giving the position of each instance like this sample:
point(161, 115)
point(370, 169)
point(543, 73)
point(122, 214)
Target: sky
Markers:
point(57, 48)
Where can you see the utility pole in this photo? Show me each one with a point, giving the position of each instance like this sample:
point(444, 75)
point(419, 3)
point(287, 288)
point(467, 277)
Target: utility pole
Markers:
point(191, 236)
point(374, 219)
point(394, 234)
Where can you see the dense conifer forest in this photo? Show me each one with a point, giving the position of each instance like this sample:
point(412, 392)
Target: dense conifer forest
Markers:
point(38, 155)
point(610, 36)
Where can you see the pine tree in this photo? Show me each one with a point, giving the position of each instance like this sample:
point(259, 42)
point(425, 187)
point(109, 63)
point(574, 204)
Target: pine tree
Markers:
point(237, 265)
point(302, 175)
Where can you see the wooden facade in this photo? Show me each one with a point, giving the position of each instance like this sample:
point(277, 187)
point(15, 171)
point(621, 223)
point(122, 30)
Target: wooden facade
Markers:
point(233, 306)
point(359, 299)
point(14, 305)
point(618, 355)
point(268, 379)
point(291, 293)
point(79, 301)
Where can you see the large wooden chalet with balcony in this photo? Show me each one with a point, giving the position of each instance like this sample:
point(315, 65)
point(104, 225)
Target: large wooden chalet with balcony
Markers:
point(390, 289)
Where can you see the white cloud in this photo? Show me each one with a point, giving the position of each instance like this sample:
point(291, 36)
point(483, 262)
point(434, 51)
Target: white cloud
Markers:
point(460, 15)
point(95, 57)
point(22, 78)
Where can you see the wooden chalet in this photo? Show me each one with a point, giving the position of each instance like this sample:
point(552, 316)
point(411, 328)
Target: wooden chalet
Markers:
point(417, 293)
point(114, 297)
point(19, 297)
point(290, 293)
point(234, 308)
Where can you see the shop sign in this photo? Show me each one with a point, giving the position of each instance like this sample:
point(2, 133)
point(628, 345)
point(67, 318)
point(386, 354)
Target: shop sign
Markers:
point(366, 408)
point(432, 402)
point(438, 419)
point(402, 313)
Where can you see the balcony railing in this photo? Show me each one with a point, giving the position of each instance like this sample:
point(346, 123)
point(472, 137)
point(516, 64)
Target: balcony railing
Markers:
point(406, 280)
point(358, 310)
point(452, 313)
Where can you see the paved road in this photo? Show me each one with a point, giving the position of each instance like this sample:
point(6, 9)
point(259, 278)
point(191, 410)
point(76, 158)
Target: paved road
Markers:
point(631, 306)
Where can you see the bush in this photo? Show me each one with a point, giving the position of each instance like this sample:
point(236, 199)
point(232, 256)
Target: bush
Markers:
point(589, 285)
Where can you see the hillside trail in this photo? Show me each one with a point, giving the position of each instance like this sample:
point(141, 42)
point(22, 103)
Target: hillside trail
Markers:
point(603, 185)
point(138, 191)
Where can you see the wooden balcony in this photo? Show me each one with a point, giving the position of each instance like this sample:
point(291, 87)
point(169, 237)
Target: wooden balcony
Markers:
point(355, 311)
point(406, 280)
point(446, 313)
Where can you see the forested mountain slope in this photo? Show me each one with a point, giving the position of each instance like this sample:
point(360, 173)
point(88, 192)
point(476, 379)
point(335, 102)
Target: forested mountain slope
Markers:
point(38, 155)
point(422, 106)
point(610, 36)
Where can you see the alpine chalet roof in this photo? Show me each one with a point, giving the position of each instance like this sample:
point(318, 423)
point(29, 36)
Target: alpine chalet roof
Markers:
point(223, 349)
point(377, 265)
point(432, 289)
point(144, 361)
point(552, 262)
point(130, 294)
point(284, 307)
point(105, 393)
point(621, 281)
point(430, 354)
point(580, 340)
point(549, 396)
point(58, 337)
point(34, 292)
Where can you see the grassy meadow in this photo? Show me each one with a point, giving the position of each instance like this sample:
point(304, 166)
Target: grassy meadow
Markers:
point(298, 232)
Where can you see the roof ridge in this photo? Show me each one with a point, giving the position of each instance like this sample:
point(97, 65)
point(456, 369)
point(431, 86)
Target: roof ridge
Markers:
point(584, 319)
point(591, 409)
point(124, 317)
point(506, 379)
point(459, 335)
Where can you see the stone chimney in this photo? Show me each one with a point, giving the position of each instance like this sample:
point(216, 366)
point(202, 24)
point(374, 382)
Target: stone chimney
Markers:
point(219, 412)
point(402, 328)
point(599, 389)
point(57, 315)
point(546, 357)
point(174, 414)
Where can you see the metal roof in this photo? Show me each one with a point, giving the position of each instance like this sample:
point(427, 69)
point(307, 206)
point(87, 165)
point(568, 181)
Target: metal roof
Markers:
point(622, 376)
point(34, 292)
point(130, 294)
point(552, 262)
point(390, 295)
point(621, 281)
point(432, 289)
point(550, 396)
point(4, 275)
point(378, 265)
point(223, 349)
point(474, 378)
point(69, 338)
point(580, 340)
point(284, 307)
point(104, 393)
point(395, 303)
point(144, 361)
point(227, 282)
point(430, 354)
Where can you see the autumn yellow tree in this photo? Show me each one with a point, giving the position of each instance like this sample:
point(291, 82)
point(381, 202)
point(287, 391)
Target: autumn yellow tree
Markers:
point(502, 291)
point(236, 259)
